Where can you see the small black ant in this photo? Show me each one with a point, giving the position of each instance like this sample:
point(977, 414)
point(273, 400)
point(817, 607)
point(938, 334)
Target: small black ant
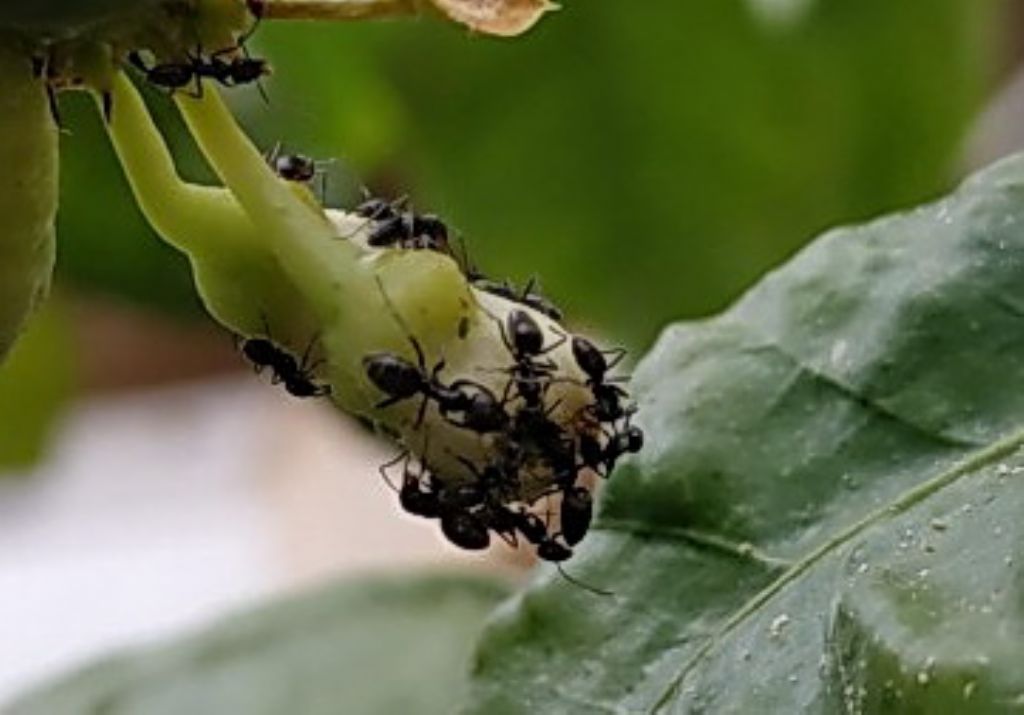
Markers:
point(527, 296)
point(297, 376)
point(410, 230)
point(298, 168)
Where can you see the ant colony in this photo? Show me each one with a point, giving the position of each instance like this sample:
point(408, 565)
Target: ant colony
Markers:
point(533, 478)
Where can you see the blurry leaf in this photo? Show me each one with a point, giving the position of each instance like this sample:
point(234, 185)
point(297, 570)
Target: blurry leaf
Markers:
point(646, 164)
point(35, 384)
point(374, 646)
point(828, 516)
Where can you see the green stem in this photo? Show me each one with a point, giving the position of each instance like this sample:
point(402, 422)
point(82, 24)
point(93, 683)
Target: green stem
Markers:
point(300, 236)
point(192, 218)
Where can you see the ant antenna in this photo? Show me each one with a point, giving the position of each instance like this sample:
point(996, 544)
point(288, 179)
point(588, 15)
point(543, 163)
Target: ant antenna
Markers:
point(585, 586)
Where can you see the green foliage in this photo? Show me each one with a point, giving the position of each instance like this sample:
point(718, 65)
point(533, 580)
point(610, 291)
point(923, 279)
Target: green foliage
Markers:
point(645, 164)
point(375, 646)
point(827, 517)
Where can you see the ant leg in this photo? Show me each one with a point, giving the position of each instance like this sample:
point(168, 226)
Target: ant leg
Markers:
point(553, 407)
point(135, 59)
point(51, 100)
point(388, 402)
point(509, 538)
point(585, 586)
point(275, 151)
point(263, 92)
point(107, 100)
point(305, 355)
point(383, 469)
point(562, 337)
point(421, 413)
point(619, 354)
point(421, 360)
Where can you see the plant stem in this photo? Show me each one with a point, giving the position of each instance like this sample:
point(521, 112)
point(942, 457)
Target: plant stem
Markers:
point(191, 218)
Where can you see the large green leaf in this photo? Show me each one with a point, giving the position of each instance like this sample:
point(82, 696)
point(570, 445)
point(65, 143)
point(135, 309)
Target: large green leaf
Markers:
point(829, 513)
point(379, 646)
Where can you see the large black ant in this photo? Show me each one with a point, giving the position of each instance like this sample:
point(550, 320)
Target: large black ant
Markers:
point(296, 375)
point(298, 168)
point(173, 76)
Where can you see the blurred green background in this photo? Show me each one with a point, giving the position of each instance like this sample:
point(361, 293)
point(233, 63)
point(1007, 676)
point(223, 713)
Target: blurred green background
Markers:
point(646, 163)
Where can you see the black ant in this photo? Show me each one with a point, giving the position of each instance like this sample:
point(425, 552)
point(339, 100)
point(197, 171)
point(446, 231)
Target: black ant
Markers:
point(602, 459)
point(480, 410)
point(548, 547)
point(401, 380)
point(410, 230)
point(577, 510)
point(527, 296)
point(411, 496)
point(299, 168)
point(607, 406)
point(524, 339)
point(460, 526)
point(296, 375)
point(238, 70)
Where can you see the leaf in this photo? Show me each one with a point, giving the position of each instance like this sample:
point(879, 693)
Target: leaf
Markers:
point(828, 515)
point(373, 646)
